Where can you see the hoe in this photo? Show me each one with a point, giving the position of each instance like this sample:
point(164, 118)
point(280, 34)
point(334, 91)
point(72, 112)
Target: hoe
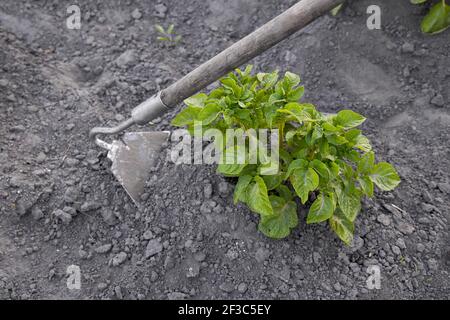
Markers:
point(135, 153)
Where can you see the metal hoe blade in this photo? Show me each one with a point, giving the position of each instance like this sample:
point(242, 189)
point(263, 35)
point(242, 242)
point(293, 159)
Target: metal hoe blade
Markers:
point(132, 158)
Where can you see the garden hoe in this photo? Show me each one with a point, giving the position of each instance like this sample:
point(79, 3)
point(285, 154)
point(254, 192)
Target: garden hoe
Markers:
point(135, 153)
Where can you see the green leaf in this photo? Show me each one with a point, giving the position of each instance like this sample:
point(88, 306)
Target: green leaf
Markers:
point(334, 169)
point(321, 168)
point(197, 100)
point(292, 79)
point(296, 94)
point(273, 181)
point(170, 29)
point(366, 185)
point(349, 203)
point(284, 192)
point(296, 164)
point(232, 161)
point(290, 136)
point(336, 140)
point(336, 10)
point(304, 180)
point(342, 227)
point(321, 209)
point(328, 128)
point(159, 28)
point(366, 163)
point(186, 116)
point(362, 143)
point(258, 198)
point(352, 134)
point(240, 190)
point(349, 119)
point(438, 19)
point(316, 134)
point(298, 111)
point(248, 69)
point(209, 113)
point(270, 168)
point(268, 80)
point(418, 1)
point(384, 176)
point(230, 170)
point(284, 219)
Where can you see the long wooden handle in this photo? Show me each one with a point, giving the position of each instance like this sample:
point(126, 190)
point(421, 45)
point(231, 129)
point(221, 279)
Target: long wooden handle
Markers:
point(277, 29)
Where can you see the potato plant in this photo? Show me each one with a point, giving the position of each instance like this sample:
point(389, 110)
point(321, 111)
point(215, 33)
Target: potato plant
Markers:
point(325, 161)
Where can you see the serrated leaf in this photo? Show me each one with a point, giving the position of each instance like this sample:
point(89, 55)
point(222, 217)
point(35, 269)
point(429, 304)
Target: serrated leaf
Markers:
point(384, 176)
point(258, 198)
point(321, 209)
point(284, 219)
point(349, 119)
point(186, 116)
point(240, 190)
point(342, 227)
point(209, 113)
point(304, 181)
point(197, 100)
point(438, 19)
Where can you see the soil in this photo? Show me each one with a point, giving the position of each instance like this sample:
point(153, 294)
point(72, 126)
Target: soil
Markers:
point(61, 206)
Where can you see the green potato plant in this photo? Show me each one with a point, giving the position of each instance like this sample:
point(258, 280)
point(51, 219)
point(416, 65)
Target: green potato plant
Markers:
point(437, 19)
point(167, 34)
point(325, 160)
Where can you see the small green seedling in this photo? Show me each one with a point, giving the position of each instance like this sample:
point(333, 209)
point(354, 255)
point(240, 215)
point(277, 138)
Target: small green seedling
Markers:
point(167, 34)
point(336, 10)
point(437, 19)
point(325, 161)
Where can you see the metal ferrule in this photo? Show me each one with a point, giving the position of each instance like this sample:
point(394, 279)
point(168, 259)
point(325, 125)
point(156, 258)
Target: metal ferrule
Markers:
point(148, 110)
point(144, 113)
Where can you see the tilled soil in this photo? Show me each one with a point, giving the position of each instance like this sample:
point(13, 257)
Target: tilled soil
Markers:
point(61, 206)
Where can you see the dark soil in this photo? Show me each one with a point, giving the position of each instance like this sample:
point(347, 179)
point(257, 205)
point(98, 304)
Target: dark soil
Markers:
point(189, 240)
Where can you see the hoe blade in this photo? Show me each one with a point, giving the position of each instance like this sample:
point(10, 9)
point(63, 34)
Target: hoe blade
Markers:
point(132, 158)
